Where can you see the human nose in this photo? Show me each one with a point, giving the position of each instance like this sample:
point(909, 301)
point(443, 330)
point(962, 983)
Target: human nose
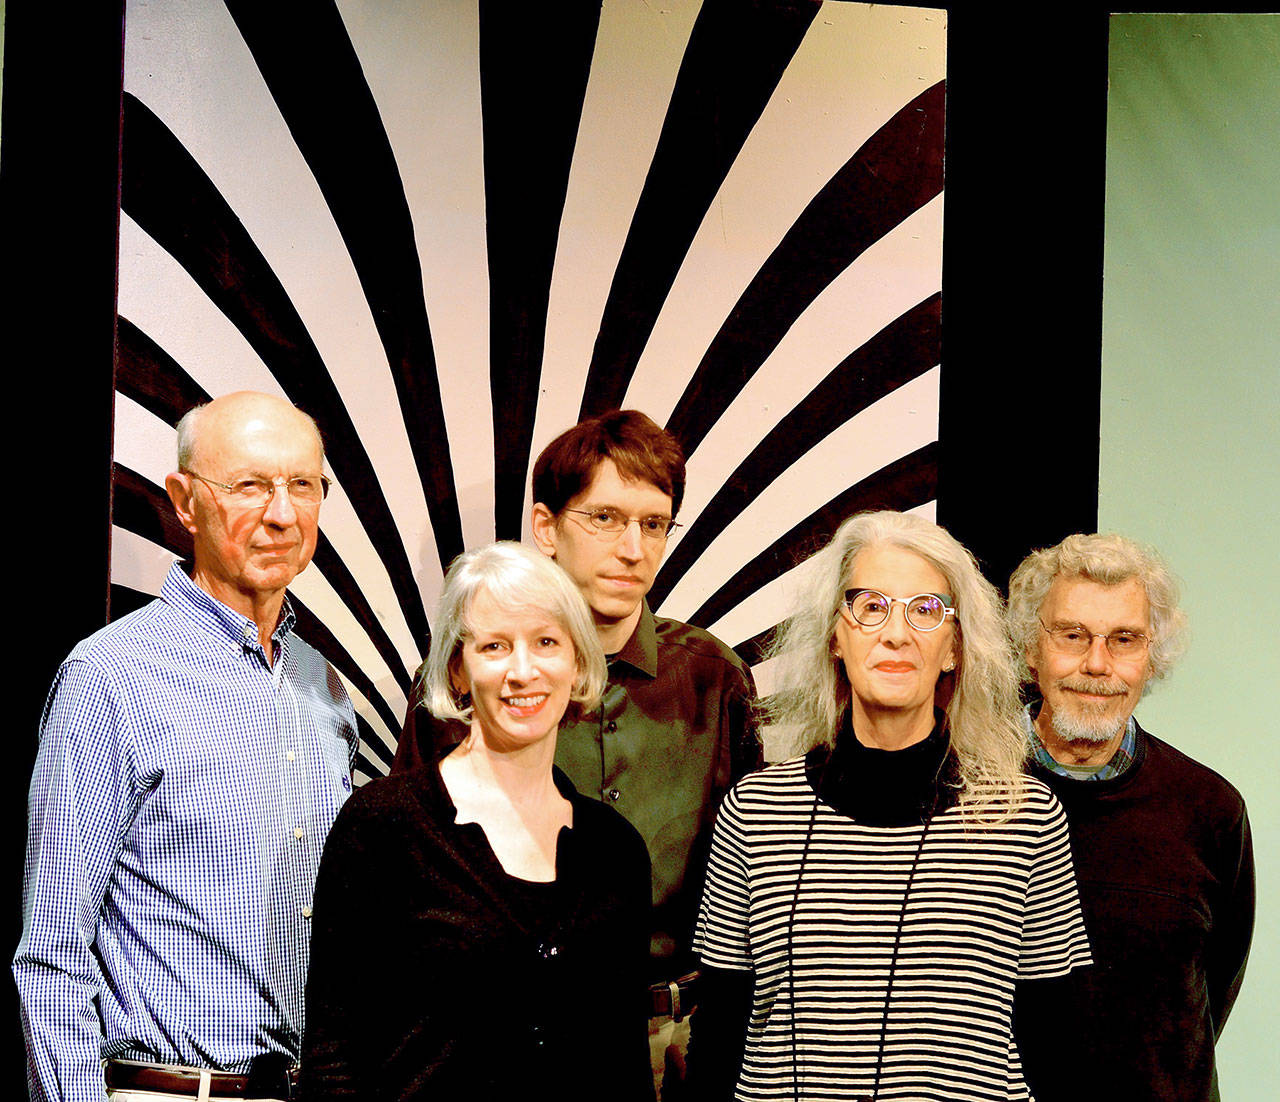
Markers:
point(520, 666)
point(895, 628)
point(280, 510)
point(1097, 659)
point(630, 546)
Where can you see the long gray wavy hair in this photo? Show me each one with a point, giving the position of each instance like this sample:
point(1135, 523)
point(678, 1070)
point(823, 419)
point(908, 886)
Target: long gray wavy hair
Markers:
point(980, 697)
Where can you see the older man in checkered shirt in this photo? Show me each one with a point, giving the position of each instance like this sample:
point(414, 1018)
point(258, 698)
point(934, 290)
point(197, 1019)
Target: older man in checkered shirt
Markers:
point(192, 758)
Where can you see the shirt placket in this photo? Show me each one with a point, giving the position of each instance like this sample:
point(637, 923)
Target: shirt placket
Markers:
point(296, 766)
point(612, 767)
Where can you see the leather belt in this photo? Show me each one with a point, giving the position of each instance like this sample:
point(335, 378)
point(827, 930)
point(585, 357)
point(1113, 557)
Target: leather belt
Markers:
point(675, 999)
point(269, 1077)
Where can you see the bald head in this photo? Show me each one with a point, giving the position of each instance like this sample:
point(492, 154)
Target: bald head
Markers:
point(241, 409)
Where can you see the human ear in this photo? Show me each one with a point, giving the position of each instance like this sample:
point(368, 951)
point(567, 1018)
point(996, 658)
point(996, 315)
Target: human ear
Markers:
point(542, 522)
point(180, 489)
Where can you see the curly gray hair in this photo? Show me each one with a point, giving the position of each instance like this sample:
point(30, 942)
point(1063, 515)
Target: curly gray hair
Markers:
point(981, 695)
point(514, 576)
point(1107, 559)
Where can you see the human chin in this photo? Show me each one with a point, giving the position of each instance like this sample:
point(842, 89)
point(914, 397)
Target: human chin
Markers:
point(613, 601)
point(1078, 721)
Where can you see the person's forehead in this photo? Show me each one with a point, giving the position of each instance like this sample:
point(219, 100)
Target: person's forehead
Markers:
point(608, 486)
point(1096, 606)
point(262, 444)
point(894, 571)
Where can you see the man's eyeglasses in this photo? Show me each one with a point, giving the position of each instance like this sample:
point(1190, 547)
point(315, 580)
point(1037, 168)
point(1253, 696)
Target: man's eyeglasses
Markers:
point(253, 493)
point(1076, 640)
point(609, 521)
point(924, 611)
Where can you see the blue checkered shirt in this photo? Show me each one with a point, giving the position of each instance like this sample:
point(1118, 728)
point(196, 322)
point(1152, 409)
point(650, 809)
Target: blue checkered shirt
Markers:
point(182, 793)
point(1120, 760)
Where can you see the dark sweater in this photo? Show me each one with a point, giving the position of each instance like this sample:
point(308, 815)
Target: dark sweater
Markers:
point(436, 975)
point(1165, 869)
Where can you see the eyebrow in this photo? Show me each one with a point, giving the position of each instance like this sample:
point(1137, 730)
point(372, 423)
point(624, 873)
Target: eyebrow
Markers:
point(1057, 624)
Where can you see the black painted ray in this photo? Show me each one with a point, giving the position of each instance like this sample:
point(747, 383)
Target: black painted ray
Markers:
point(330, 111)
point(737, 53)
point(904, 484)
point(153, 379)
point(142, 507)
point(169, 196)
point(534, 63)
point(895, 172)
point(147, 373)
point(900, 352)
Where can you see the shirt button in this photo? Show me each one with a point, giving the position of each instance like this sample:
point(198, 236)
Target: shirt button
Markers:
point(611, 727)
point(288, 755)
point(306, 912)
point(297, 832)
point(614, 794)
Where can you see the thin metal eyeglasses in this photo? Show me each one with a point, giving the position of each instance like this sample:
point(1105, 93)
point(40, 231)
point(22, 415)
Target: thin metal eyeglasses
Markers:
point(609, 521)
point(924, 611)
point(1075, 640)
point(253, 493)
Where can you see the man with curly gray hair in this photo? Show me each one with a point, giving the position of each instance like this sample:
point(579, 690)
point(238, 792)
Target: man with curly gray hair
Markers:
point(1160, 842)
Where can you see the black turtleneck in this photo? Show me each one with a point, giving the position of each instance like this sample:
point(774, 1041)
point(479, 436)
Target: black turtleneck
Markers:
point(886, 787)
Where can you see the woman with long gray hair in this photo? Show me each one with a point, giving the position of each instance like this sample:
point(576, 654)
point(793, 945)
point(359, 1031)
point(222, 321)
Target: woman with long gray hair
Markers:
point(872, 901)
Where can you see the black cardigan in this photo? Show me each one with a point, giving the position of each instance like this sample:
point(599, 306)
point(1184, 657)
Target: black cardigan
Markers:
point(436, 975)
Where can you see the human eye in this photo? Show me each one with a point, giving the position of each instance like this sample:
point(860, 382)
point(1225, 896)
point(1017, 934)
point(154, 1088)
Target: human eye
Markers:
point(1125, 641)
point(1072, 635)
point(251, 488)
point(654, 526)
point(873, 602)
point(926, 607)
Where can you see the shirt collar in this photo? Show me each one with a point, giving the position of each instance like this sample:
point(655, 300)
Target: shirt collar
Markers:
point(1120, 760)
point(641, 651)
point(182, 593)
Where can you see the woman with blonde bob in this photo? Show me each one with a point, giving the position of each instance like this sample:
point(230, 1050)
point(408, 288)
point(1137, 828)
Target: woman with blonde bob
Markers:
point(872, 901)
point(518, 908)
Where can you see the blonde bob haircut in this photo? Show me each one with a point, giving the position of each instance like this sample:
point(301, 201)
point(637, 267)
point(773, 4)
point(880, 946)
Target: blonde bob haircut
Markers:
point(514, 577)
point(979, 698)
point(1107, 559)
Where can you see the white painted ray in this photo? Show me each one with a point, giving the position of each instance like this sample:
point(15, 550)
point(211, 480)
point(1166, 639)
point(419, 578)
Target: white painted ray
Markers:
point(898, 424)
point(147, 445)
point(637, 58)
point(137, 563)
point(370, 715)
point(773, 602)
point(187, 62)
point(849, 76)
point(894, 275)
point(422, 64)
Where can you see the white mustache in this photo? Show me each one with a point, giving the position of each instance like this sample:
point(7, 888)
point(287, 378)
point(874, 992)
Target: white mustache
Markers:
point(1095, 688)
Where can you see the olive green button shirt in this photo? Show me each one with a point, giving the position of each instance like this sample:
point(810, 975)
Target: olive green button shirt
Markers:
point(672, 734)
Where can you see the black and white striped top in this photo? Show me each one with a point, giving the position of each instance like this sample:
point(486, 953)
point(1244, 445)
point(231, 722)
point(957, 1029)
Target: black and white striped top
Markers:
point(988, 906)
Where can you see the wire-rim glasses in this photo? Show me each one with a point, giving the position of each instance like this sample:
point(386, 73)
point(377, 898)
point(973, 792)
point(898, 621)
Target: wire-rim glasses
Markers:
point(1075, 640)
point(254, 493)
point(609, 521)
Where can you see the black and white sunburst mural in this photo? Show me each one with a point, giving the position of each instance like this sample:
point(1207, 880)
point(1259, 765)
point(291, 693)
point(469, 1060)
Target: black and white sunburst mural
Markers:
point(448, 229)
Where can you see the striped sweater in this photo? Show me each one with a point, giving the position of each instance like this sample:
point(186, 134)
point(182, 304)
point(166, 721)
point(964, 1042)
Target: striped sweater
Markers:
point(987, 906)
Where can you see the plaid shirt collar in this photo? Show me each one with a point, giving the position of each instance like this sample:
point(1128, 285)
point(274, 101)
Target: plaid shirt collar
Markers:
point(1119, 763)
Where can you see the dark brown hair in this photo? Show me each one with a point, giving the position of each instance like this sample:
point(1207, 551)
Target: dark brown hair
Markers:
point(639, 448)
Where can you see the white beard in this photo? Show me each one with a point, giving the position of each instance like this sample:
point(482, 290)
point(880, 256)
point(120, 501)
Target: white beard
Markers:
point(1085, 728)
